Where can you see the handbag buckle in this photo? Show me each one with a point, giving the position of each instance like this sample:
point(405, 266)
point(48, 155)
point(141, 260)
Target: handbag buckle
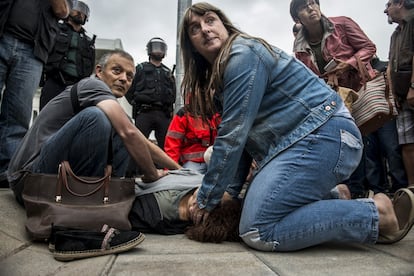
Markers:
point(106, 200)
point(58, 198)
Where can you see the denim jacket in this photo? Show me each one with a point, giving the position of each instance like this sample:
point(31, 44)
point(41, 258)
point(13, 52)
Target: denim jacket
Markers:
point(269, 103)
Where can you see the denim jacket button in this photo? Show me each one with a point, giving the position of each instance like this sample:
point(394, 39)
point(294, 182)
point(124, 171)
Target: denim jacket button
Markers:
point(327, 108)
point(333, 103)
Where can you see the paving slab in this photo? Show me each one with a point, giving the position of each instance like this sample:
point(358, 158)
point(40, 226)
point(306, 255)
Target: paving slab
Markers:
point(177, 255)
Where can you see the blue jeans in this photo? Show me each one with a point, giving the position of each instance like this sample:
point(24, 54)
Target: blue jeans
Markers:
point(83, 141)
point(20, 73)
point(379, 145)
point(284, 208)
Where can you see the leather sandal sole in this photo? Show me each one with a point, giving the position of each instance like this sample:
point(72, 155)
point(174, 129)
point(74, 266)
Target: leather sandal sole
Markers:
point(72, 255)
point(403, 203)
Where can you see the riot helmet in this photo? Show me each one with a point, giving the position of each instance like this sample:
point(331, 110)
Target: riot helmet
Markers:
point(72, 3)
point(82, 8)
point(156, 48)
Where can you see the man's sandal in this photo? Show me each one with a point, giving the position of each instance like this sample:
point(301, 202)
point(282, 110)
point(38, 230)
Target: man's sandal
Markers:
point(71, 245)
point(403, 203)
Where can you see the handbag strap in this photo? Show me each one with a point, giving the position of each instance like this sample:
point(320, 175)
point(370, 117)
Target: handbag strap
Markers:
point(387, 93)
point(74, 98)
point(65, 170)
point(362, 71)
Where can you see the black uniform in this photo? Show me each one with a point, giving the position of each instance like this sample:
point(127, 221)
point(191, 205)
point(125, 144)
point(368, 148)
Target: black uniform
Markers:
point(72, 59)
point(152, 95)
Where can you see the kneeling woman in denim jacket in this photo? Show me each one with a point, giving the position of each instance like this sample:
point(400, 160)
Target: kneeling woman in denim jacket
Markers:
point(303, 139)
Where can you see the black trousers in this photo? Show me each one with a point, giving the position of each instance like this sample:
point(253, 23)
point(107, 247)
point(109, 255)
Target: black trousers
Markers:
point(150, 120)
point(50, 89)
point(153, 120)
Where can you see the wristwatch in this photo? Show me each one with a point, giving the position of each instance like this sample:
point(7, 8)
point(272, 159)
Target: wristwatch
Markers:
point(412, 85)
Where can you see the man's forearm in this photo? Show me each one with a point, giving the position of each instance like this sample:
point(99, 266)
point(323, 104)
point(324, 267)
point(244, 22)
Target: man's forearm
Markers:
point(161, 158)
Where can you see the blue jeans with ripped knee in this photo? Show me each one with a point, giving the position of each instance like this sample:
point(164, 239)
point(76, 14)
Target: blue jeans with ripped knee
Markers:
point(285, 207)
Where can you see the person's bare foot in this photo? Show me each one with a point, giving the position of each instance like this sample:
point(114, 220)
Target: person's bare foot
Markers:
point(388, 222)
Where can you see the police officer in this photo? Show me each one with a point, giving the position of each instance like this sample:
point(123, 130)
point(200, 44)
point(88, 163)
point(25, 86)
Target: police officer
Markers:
point(152, 93)
point(73, 56)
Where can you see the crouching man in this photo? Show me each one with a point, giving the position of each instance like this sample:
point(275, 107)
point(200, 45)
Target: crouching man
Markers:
point(81, 125)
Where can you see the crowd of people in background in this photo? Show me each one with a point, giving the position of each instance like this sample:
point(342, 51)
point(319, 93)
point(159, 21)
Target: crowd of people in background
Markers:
point(282, 136)
point(341, 40)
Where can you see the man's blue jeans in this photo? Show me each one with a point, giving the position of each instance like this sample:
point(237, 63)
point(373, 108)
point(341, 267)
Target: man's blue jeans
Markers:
point(284, 207)
point(84, 141)
point(20, 73)
point(379, 145)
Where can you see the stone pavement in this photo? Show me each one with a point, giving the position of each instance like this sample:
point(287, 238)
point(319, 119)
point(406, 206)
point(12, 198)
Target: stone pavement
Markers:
point(176, 255)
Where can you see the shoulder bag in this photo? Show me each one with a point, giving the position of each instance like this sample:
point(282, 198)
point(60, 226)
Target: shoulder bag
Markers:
point(375, 105)
point(68, 200)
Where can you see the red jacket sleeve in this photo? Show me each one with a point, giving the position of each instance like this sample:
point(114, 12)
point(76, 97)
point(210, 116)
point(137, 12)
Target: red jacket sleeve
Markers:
point(174, 139)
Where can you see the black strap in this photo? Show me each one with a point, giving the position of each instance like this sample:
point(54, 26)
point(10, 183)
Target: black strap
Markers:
point(74, 98)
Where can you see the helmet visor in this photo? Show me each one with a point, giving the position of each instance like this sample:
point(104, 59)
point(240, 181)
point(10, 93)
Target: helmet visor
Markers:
point(81, 7)
point(157, 48)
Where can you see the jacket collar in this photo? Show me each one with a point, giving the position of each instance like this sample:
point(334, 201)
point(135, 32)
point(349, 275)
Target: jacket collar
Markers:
point(302, 45)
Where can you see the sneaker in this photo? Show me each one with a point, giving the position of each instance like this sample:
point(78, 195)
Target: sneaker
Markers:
point(71, 245)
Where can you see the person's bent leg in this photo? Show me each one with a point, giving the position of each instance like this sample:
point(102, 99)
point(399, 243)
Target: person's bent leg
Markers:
point(121, 158)
point(83, 141)
point(283, 208)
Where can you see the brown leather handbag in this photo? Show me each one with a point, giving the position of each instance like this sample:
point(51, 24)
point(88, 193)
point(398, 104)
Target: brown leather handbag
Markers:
point(79, 202)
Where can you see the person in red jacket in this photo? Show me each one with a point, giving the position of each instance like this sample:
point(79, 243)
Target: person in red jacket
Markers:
point(188, 137)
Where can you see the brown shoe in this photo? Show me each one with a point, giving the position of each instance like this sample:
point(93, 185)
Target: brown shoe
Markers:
point(403, 203)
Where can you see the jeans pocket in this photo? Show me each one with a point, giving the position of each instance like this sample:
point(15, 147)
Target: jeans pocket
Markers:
point(350, 153)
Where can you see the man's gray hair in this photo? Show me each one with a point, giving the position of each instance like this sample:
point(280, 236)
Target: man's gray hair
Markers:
point(105, 57)
point(408, 4)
